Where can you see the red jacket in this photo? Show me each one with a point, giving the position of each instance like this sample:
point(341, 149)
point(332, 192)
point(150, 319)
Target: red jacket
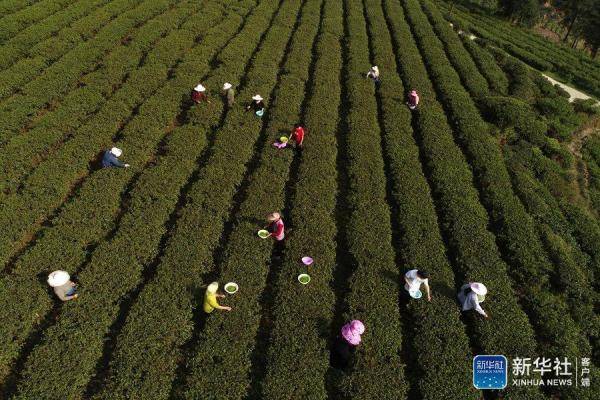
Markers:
point(276, 228)
point(198, 96)
point(298, 135)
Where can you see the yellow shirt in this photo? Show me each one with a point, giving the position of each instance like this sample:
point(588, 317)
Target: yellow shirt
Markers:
point(210, 302)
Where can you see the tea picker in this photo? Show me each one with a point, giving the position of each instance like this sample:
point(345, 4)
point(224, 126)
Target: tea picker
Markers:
point(276, 227)
point(63, 287)
point(345, 343)
point(111, 158)
point(298, 135)
point(413, 99)
point(199, 94)
point(470, 295)
point(229, 93)
point(257, 105)
point(210, 299)
point(413, 280)
point(374, 73)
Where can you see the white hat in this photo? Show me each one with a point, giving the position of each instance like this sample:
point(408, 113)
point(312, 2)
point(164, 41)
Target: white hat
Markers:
point(274, 216)
point(212, 288)
point(227, 86)
point(116, 151)
point(375, 68)
point(199, 88)
point(478, 288)
point(58, 278)
point(257, 97)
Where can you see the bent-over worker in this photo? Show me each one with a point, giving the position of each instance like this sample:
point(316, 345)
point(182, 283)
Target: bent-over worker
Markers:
point(298, 135)
point(276, 227)
point(257, 105)
point(210, 299)
point(413, 280)
point(229, 94)
point(345, 344)
point(199, 94)
point(470, 295)
point(413, 99)
point(111, 158)
point(374, 73)
point(63, 287)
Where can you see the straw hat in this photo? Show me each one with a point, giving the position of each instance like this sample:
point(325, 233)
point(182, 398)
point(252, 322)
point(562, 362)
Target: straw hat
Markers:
point(199, 88)
point(116, 151)
point(478, 288)
point(213, 287)
point(274, 216)
point(257, 97)
point(58, 278)
point(227, 86)
point(352, 331)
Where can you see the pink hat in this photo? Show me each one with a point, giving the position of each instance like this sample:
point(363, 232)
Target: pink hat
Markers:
point(413, 92)
point(352, 331)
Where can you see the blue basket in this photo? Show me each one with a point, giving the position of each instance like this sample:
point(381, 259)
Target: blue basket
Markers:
point(260, 113)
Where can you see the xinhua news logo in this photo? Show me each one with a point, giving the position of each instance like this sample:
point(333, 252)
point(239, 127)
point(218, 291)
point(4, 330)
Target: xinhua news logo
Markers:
point(490, 372)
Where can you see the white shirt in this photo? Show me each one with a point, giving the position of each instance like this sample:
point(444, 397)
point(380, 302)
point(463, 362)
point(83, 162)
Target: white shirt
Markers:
point(414, 281)
point(469, 302)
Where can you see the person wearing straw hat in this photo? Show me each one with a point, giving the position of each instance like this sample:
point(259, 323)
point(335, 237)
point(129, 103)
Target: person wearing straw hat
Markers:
point(63, 287)
point(413, 99)
point(470, 295)
point(199, 94)
point(298, 135)
point(413, 280)
point(374, 73)
point(210, 299)
point(111, 158)
point(276, 227)
point(257, 105)
point(345, 344)
point(229, 94)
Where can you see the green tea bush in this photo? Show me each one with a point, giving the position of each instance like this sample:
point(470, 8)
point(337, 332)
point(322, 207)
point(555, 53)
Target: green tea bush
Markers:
point(23, 153)
point(487, 66)
point(420, 244)
point(62, 76)
point(309, 309)
point(21, 45)
point(371, 298)
point(227, 342)
point(516, 232)
point(461, 215)
point(99, 305)
point(20, 19)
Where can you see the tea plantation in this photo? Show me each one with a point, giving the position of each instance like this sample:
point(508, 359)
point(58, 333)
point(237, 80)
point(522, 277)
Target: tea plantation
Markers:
point(494, 178)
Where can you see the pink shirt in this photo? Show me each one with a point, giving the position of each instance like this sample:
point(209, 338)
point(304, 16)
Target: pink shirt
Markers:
point(277, 229)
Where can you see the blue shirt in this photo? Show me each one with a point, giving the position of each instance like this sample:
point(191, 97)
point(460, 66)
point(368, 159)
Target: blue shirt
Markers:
point(110, 160)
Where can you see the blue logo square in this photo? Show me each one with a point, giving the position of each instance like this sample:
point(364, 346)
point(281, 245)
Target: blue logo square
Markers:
point(490, 372)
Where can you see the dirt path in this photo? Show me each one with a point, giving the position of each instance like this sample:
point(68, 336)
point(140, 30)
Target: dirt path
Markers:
point(573, 93)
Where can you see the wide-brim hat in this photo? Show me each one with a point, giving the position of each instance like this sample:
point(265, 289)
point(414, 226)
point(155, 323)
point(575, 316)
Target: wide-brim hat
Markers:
point(478, 288)
point(199, 88)
point(213, 287)
point(413, 92)
point(116, 151)
point(274, 216)
point(257, 97)
point(375, 68)
point(227, 86)
point(58, 278)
